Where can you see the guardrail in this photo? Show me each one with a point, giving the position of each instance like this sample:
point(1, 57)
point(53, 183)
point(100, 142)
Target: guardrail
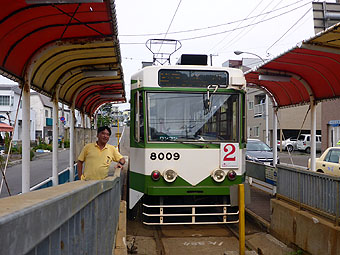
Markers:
point(63, 177)
point(313, 191)
point(73, 218)
point(261, 172)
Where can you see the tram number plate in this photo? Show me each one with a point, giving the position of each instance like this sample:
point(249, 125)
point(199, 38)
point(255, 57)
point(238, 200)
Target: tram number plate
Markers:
point(164, 156)
point(229, 155)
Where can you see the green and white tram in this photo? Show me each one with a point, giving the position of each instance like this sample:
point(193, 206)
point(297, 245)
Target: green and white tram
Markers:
point(187, 142)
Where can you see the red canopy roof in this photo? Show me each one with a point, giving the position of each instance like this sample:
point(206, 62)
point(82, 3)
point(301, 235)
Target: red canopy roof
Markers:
point(308, 70)
point(56, 44)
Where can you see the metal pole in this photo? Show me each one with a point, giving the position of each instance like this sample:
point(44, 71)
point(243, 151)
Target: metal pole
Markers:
point(281, 133)
point(72, 122)
point(62, 127)
point(313, 135)
point(267, 121)
point(242, 235)
point(274, 137)
point(26, 139)
point(55, 131)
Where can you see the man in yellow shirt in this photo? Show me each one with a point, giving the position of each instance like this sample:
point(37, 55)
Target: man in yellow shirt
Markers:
point(98, 157)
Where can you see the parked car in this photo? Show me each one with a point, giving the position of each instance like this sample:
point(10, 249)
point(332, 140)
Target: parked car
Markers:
point(258, 151)
point(329, 162)
point(288, 144)
point(303, 143)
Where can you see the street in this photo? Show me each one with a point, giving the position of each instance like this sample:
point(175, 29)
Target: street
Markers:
point(295, 158)
point(41, 169)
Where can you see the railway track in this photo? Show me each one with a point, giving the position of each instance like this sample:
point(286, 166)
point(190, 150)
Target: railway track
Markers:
point(185, 239)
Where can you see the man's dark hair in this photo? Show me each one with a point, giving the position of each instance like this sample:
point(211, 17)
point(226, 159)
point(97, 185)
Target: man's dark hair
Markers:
point(100, 129)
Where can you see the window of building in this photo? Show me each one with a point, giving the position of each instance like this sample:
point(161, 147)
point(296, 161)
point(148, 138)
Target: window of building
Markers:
point(4, 100)
point(250, 105)
point(46, 113)
point(256, 131)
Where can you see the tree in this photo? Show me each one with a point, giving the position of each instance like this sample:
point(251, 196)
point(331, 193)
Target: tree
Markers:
point(105, 115)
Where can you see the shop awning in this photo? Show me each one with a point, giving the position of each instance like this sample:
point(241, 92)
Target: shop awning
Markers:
point(5, 127)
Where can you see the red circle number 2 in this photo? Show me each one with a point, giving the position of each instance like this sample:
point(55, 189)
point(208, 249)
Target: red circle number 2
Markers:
point(230, 150)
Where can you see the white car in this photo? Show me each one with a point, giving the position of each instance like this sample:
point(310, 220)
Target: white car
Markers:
point(288, 144)
point(329, 162)
point(303, 143)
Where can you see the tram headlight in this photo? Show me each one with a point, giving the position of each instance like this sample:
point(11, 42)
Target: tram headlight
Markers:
point(231, 175)
point(218, 175)
point(169, 175)
point(155, 175)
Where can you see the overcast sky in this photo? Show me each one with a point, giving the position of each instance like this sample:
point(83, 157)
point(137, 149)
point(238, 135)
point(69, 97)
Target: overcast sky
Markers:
point(217, 27)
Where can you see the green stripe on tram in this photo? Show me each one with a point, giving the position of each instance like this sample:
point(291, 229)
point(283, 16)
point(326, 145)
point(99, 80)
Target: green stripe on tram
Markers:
point(144, 184)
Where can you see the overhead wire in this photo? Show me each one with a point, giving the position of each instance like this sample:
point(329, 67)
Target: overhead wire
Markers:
point(289, 29)
point(238, 25)
point(167, 31)
point(214, 26)
point(241, 34)
point(292, 27)
point(225, 31)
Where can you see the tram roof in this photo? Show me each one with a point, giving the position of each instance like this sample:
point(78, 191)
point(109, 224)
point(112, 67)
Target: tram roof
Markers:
point(311, 69)
point(70, 46)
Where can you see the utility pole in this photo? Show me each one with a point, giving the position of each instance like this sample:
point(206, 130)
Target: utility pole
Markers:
point(212, 55)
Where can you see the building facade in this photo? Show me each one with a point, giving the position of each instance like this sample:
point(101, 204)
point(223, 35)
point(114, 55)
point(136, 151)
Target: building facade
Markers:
point(10, 103)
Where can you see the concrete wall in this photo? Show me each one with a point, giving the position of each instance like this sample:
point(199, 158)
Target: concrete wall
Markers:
point(307, 231)
point(82, 137)
point(305, 213)
point(74, 218)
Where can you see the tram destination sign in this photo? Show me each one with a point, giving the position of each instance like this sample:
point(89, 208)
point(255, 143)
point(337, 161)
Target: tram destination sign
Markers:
point(192, 78)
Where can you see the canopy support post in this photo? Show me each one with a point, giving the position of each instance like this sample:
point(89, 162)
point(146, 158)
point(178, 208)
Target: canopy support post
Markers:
point(267, 120)
point(26, 138)
point(313, 134)
point(274, 136)
point(55, 131)
point(72, 124)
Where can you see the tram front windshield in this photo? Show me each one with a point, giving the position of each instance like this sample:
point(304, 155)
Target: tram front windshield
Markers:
point(192, 117)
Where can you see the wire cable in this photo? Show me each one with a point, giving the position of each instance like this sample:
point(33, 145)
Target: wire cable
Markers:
point(289, 29)
point(215, 26)
point(225, 31)
point(173, 17)
point(245, 31)
point(237, 25)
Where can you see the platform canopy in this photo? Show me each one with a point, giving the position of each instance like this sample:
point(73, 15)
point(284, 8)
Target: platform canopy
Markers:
point(64, 46)
point(309, 71)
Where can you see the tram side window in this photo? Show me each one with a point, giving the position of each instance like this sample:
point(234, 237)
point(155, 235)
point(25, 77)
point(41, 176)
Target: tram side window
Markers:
point(139, 117)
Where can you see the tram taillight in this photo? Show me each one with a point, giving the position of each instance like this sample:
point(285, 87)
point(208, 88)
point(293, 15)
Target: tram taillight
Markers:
point(231, 175)
point(155, 175)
